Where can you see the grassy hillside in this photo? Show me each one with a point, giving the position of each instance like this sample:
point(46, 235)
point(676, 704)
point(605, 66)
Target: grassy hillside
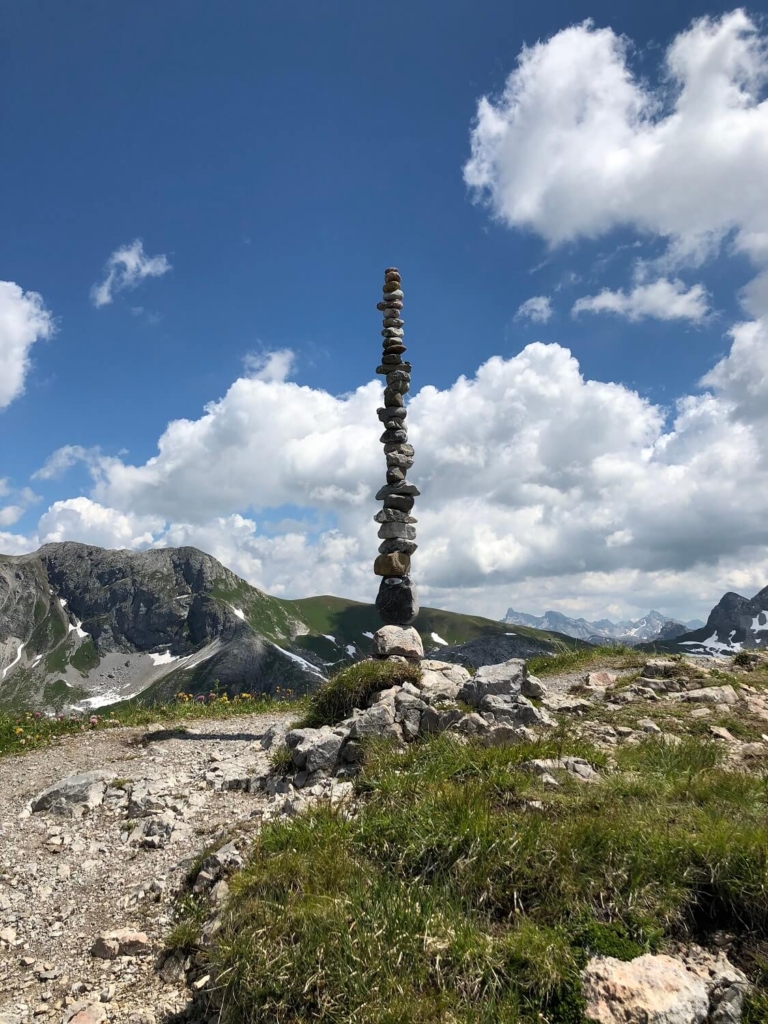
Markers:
point(348, 621)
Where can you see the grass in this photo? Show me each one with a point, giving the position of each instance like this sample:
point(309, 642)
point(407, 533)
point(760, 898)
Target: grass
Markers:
point(451, 896)
point(21, 733)
point(350, 688)
point(568, 659)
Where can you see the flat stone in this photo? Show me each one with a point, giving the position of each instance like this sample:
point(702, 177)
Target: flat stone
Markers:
point(409, 490)
point(397, 544)
point(394, 563)
point(392, 291)
point(397, 640)
point(397, 602)
point(399, 449)
point(391, 515)
point(600, 680)
point(86, 789)
point(393, 321)
point(396, 459)
point(394, 436)
point(712, 695)
point(402, 531)
point(391, 412)
point(401, 502)
point(120, 942)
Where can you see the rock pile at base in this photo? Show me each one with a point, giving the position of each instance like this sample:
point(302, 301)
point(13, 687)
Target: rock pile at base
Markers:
point(396, 602)
point(501, 713)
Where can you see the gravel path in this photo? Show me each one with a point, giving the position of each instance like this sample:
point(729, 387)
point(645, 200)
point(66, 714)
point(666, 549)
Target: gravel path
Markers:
point(63, 880)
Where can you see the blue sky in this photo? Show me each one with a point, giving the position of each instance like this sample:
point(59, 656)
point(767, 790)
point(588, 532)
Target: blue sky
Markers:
point(279, 157)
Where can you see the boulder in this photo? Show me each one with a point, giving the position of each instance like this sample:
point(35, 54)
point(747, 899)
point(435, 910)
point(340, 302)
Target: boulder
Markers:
point(440, 680)
point(378, 720)
point(489, 680)
point(84, 791)
point(532, 687)
point(401, 640)
point(661, 989)
point(314, 748)
point(648, 990)
point(602, 680)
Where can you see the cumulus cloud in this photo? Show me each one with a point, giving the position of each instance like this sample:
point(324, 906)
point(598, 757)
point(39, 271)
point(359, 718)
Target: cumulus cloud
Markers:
point(533, 478)
point(23, 321)
point(537, 309)
point(87, 521)
point(576, 144)
point(125, 269)
point(662, 299)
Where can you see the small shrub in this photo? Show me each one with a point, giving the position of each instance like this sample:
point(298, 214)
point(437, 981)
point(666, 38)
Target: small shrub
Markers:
point(352, 688)
point(280, 760)
point(743, 659)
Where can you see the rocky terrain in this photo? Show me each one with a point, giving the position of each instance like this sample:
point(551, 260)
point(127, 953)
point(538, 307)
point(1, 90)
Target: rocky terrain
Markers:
point(106, 837)
point(84, 626)
point(108, 853)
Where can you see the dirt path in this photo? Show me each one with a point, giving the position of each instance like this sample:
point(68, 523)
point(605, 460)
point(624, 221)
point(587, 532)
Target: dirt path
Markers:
point(65, 879)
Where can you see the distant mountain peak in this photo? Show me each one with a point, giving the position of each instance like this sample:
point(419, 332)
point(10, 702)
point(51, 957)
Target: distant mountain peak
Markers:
point(604, 631)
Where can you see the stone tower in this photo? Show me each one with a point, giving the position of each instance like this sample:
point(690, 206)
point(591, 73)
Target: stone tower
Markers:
point(396, 601)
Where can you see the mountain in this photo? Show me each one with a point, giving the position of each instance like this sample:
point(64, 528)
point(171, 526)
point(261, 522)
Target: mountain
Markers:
point(84, 626)
point(650, 627)
point(735, 623)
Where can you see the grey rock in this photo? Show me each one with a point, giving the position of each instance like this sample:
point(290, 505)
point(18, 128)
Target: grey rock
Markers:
point(376, 721)
point(391, 397)
point(712, 695)
point(397, 602)
point(532, 687)
point(86, 790)
point(399, 460)
point(273, 736)
point(397, 544)
point(400, 449)
point(394, 436)
point(314, 748)
point(401, 502)
point(400, 490)
point(505, 679)
point(436, 720)
point(392, 412)
point(501, 735)
point(391, 515)
point(399, 531)
point(397, 640)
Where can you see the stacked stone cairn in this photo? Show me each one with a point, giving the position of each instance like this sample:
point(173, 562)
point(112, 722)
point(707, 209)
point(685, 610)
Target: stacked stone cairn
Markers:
point(396, 602)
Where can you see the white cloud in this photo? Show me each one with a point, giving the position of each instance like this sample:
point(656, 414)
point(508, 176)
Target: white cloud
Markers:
point(87, 521)
point(125, 269)
point(64, 458)
point(538, 309)
point(269, 366)
point(534, 481)
point(23, 321)
point(10, 514)
point(577, 145)
point(662, 299)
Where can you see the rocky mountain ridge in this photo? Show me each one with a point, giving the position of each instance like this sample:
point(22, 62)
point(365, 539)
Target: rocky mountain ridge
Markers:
point(653, 626)
point(735, 624)
point(82, 626)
